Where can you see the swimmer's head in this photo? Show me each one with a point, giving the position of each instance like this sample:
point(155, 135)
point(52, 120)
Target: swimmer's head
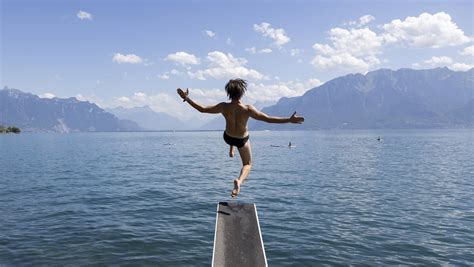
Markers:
point(236, 88)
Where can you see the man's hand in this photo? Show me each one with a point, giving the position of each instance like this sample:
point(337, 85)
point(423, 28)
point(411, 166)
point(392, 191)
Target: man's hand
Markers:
point(182, 93)
point(296, 119)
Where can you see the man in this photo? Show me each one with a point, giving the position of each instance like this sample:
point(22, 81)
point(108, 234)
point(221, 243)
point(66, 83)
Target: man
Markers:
point(236, 116)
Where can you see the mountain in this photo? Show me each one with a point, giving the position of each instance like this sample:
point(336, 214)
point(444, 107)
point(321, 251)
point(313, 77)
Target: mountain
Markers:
point(32, 113)
point(262, 104)
point(405, 98)
point(148, 119)
point(217, 123)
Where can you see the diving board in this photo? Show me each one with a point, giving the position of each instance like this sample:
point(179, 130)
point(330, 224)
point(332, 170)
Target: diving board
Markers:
point(237, 238)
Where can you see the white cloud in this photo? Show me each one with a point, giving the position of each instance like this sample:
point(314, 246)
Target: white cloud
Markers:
point(130, 58)
point(164, 76)
point(364, 20)
point(124, 100)
point(208, 96)
point(353, 49)
point(47, 95)
point(161, 102)
point(82, 15)
point(265, 51)
point(273, 92)
point(434, 62)
point(278, 35)
point(183, 58)
point(443, 61)
point(439, 61)
point(91, 98)
point(253, 50)
point(426, 30)
point(345, 61)
point(295, 52)
point(172, 104)
point(223, 65)
point(468, 51)
point(210, 33)
point(175, 72)
point(357, 49)
point(229, 41)
point(461, 66)
point(355, 41)
point(167, 74)
point(313, 82)
point(256, 92)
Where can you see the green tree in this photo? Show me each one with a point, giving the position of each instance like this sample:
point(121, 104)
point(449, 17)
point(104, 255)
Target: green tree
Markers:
point(14, 129)
point(11, 129)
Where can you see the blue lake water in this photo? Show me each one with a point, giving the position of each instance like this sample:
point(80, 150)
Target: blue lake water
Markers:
point(337, 198)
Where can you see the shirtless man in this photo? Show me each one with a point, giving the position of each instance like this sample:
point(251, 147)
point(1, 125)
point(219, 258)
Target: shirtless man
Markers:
point(236, 115)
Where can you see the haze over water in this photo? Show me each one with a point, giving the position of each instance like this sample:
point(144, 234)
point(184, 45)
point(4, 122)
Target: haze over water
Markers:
point(337, 198)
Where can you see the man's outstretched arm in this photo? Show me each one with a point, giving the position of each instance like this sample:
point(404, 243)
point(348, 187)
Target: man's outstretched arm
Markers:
point(203, 109)
point(258, 115)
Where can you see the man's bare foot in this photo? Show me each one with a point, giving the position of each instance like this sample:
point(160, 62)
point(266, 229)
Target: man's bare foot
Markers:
point(236, 189)
point(231, 151)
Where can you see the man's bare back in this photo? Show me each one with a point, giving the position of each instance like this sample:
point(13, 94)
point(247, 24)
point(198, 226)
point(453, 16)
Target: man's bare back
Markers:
point(236, 115)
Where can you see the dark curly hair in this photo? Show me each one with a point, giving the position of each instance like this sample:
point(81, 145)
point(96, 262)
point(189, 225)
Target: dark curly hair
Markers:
point(236, 88)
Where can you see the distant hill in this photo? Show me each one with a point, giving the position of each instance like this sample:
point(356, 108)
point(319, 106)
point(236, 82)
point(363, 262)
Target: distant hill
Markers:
point(32, 113)
point(148, 119)
point(405, 98)
point(217, 123)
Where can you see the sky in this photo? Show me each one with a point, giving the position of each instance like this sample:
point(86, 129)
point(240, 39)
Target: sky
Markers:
point(136, 53)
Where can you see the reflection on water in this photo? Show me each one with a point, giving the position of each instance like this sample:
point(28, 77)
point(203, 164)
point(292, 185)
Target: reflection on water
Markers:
point(150, 198)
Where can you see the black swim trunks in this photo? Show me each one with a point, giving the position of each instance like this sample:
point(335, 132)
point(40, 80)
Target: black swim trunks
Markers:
point(232, 141)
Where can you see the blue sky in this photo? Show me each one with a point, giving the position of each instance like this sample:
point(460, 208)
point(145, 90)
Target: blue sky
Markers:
point(134, 53)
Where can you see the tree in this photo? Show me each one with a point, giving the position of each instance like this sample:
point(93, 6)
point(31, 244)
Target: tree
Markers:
point(11, 129)
point(14, 129)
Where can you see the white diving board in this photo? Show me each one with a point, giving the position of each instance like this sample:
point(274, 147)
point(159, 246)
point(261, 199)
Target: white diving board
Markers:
point(237, 239)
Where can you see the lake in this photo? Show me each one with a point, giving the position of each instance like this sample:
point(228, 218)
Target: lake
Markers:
point(336, 198)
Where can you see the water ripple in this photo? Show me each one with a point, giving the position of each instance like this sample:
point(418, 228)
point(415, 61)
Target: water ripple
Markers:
point(339, 198)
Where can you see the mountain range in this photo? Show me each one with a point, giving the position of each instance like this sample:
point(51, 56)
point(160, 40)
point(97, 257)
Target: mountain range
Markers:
point(149, 119)
point(31, 113)
point(404, 98)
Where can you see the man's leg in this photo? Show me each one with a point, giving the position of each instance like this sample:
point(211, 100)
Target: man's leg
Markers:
point(231, 151)
point(246, 157)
